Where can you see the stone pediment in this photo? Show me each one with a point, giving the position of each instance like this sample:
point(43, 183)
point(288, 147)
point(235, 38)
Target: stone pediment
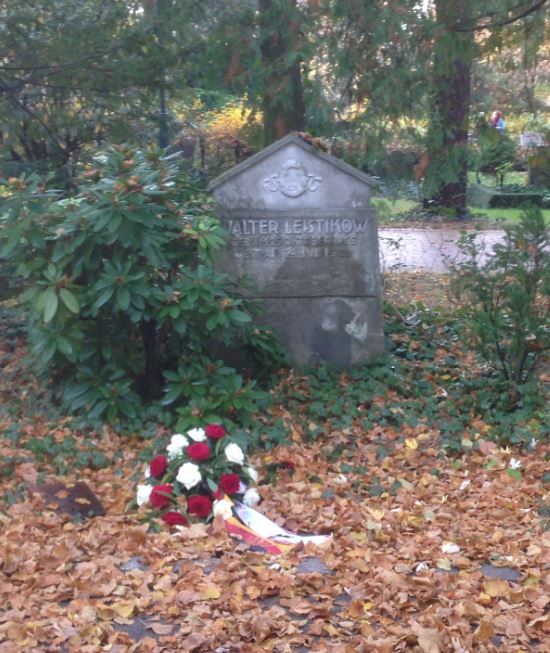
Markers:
point(291, 172)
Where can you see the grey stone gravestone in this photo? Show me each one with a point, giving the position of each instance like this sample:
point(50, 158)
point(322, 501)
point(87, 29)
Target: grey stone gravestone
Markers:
point(531, 139)
point(303, 231)
point(538, 164)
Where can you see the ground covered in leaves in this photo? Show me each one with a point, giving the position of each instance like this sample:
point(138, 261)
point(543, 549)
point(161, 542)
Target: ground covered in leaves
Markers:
point(440, 536)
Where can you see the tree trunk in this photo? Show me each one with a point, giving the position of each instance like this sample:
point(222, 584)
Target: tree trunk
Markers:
point(446, 176)
point(283, 99)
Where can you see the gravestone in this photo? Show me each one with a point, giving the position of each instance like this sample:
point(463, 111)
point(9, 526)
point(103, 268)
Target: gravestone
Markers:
point(303, 232)
point(539, 167)
point(531, 139)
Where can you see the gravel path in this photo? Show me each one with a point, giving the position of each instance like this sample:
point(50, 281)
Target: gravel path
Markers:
point(425, 249)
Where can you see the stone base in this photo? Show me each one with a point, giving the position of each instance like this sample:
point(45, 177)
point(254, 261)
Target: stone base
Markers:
point(338, 331)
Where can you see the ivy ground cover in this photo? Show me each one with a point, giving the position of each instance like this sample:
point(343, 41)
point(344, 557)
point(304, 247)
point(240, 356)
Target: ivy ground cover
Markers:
point(440, 529)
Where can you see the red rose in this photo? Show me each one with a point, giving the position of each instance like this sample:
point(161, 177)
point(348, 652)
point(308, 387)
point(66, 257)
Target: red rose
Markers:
point(215, 431)
point(158, 466)
point(219, 493)
point(230, 483)
point(198, 451)
point(174, 519)
point(199, 505)
point(158, 498)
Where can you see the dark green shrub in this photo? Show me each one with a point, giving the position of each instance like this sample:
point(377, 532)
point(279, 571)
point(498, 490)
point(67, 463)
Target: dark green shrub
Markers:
point(487, 197)
point(124, 301)
point(494, 152)
point(509, 314)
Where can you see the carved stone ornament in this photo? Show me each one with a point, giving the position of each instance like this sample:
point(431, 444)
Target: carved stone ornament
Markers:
point(292, 180)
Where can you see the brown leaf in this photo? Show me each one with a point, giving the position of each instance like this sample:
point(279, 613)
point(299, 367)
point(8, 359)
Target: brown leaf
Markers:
point(161, 629)
point(193, 642)
point(9, 564)
point(211, 592)
point(484, 631)
point(263, 627)
point(429, 639)
point(46, 580)
point(28, 472)
point(124, 609)
point(496, 587)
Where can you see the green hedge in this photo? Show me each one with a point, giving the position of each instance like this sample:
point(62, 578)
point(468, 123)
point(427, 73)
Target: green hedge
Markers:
point(492, 198)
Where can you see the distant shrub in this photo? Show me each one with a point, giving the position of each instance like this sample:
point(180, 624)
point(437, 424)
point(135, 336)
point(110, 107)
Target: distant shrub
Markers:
point(508, 318)
point(494, 153)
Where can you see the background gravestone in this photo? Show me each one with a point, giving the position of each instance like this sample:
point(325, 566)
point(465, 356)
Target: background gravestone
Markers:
point(302, 230)
point(539, 167)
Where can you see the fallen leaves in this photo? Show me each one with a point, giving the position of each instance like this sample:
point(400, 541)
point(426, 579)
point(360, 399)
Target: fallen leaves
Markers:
point(496, 587)
point(450, 547)
point(444, 563)
point(419, 542)
point(429, 639)
point(211, 592)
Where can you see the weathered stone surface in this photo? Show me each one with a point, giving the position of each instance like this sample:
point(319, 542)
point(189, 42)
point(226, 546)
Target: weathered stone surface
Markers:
point(133, 564)
point(505, 573)
point(302, 231)
point(145, 626)
point(334, 330)
point(77, 499)
point(539, 167)
point(313, 566)
point(532, 139)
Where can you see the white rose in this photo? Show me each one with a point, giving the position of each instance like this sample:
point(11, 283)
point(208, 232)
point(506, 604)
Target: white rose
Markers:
point(189, 475)
point(147, 472)
point(143, 494)
point(252, 474)
point(234, 454)
point(223, 508)
point(251, 498)
point(198, 435)
point(178, 442)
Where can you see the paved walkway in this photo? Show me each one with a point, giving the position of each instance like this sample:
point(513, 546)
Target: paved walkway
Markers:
point(425, 249)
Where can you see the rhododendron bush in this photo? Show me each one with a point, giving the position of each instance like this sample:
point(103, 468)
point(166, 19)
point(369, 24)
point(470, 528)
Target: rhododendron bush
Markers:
point(196, 477)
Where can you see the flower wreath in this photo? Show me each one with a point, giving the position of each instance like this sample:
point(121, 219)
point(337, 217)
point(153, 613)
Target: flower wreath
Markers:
point(192, 481)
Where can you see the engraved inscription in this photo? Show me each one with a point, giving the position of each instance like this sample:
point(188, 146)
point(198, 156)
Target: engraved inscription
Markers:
point(292, 180)
point(292, 252)
point(295, 237)
point(297, 226)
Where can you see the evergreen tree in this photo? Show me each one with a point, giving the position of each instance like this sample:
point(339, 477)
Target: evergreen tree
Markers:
point(457, 23)
point(446, 176)
point(74, 74)
point(61, 77)
point(280, 44)
point(372, 58)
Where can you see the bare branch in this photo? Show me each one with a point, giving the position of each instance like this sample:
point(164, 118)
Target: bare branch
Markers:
point(458, 27)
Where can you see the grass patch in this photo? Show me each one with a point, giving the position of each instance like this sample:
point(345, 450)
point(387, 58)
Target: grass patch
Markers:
point(393, 207)
point(511, 215)
point(394, 211)
point(518, 178)
point(398, 210)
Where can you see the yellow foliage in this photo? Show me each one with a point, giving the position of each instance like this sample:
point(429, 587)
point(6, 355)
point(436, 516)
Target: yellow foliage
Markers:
point(229, 122)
